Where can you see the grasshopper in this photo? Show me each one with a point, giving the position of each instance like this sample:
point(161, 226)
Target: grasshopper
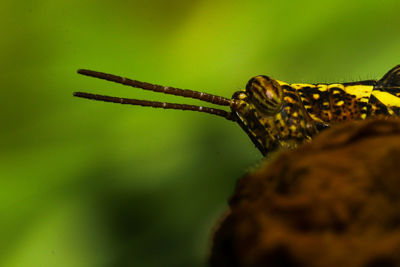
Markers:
point(276, 114)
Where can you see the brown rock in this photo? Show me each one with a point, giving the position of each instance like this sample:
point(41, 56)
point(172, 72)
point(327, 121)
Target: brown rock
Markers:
point(333, 202)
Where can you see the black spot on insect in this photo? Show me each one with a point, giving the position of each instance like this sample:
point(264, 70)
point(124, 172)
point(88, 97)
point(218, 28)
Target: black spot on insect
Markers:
point(336, 90)
point(362, 104)
point(290, 105)
point(375, 107)
point(288, 88)
point(396, 110)
point(324, 106)
point(292, 95)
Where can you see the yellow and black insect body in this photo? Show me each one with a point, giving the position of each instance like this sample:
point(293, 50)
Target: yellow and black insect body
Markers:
point(276, 114)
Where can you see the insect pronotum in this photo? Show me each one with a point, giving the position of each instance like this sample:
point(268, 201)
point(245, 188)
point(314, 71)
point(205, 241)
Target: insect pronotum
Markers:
point(277, 114)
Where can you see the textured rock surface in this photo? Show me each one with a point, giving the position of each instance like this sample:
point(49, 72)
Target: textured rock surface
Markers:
point(333, 202)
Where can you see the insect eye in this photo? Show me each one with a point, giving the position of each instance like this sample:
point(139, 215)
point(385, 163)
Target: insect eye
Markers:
point(265, 93)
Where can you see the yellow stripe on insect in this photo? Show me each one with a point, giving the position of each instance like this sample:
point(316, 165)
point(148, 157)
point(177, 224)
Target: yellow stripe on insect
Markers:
point(360, 91)
point(386, 98)
point(282, 83)
point(322, 87)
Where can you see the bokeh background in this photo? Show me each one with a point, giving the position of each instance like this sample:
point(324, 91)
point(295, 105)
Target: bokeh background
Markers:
point(86, 183)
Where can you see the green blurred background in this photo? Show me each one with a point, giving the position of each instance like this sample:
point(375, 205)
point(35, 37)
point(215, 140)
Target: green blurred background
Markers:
point(86, 183)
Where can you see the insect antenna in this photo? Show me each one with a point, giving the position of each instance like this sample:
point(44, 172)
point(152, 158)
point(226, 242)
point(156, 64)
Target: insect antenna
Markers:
point(214, 99)
point(155, 104)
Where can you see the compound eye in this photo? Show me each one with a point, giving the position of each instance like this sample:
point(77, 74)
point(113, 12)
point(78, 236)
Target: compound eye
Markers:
point(265, 93)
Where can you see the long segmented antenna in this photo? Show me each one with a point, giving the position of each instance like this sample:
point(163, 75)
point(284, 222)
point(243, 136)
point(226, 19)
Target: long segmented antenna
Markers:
point(155, 104)
point(214, 99)
point(218, 100)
